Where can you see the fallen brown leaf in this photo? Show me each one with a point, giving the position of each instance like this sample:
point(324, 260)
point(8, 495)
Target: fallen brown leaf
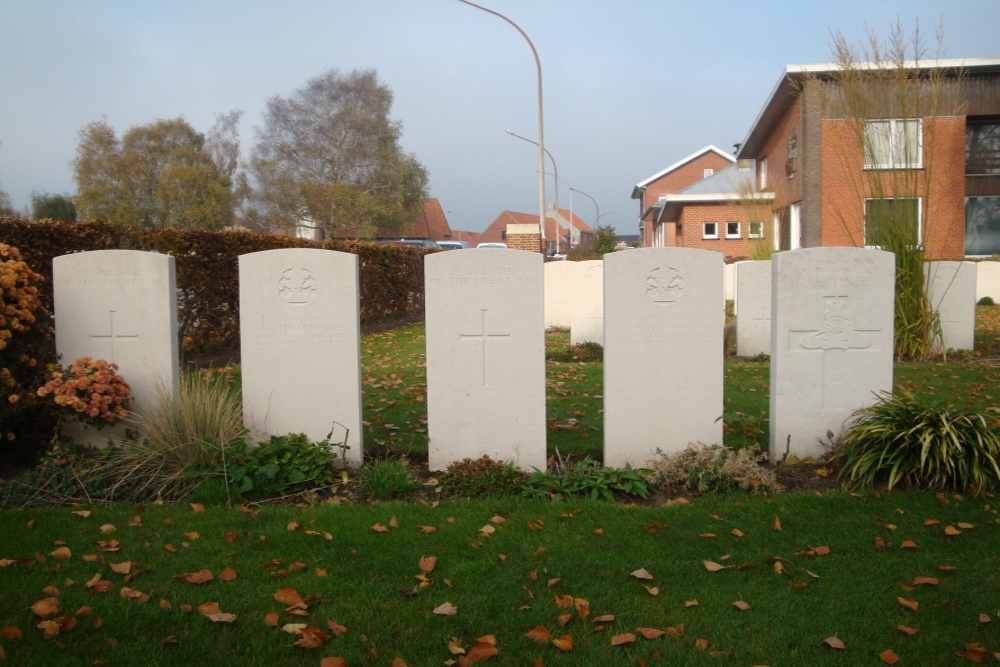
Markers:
point(642, 574)
point(651, 633)
point(624, 638)
point(889, 656)
point(835, 642)
point(446, 609)
point(912, 605)
point(741, 605)
point(906, 630)
point(564, 643)
point(539, 634)
point(712, 566)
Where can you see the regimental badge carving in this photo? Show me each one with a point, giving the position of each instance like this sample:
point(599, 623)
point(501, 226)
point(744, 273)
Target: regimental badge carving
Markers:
point(296, 286)
point(838, 332)
point(664, 286)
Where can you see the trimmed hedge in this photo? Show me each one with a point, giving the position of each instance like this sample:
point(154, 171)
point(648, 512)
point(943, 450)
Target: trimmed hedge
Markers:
point(392, 285)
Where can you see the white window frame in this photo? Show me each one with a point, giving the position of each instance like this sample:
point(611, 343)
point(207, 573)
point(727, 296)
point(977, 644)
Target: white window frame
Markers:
point(920, 217)
point(705, 173)
point(762, 173)
point(705, 233)
point(759, 234)
point(738, 234)
point(891, 135)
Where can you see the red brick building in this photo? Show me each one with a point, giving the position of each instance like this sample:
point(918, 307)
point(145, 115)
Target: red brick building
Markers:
point(933, 159)
point(571, 229)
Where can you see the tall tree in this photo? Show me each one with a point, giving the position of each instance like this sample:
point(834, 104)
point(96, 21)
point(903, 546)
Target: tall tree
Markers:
point(328, 156)
point(47, 206)
point(160, 174)
point(893, 95)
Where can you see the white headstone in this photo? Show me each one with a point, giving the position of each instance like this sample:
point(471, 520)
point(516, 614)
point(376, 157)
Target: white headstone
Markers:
point(753, 318)
point(300, 346)
point(120, 306)
point(831, 342)
point(485, 357)
point(730, 281)
point(560, 285)
point(988, 280)
point(662, 353)
point(587, 314)
point(951, 290)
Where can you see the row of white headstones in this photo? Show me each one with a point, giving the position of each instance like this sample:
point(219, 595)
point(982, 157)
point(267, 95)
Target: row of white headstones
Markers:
point(660, 313)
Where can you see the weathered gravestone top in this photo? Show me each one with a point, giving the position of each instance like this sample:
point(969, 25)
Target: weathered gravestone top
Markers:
point(301, 346)
point(951, 290)
point(485, 357)
point(561, 283)
point(587, 308)
point(831, 342)
point(753, 314)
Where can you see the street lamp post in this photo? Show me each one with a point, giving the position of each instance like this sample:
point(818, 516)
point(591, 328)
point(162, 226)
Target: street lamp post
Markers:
point(598, 215)
point(541, 124)
point(555, 170)
point(460, 220)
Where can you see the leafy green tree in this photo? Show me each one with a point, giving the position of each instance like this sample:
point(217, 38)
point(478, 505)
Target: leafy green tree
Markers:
point(605, 240)
point(157, 175)
point(328, 156)
point(47, 206)
point(6, 205)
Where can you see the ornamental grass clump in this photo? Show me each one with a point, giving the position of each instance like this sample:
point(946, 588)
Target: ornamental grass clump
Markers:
point(170, 436)
point(908, 439)
point(712, 468)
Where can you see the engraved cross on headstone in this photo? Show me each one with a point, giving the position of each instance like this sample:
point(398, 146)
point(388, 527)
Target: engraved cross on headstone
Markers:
point(111, 337)
point(484, 337)
point(835, 339)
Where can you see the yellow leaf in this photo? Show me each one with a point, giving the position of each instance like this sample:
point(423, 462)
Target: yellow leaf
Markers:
point(626, 638)
point(121, 568)
point(197, 507)
point(889, 656)
point(554, 581)
point(712, 566)
point(604, 618)
point(701, 644)
point(652, 590)
point(776, 524)
point(951, 530)
point(107, 529)
point(62, 554)
point(691, 603)
point(446, 609)
point(426, 529)
point(379, 528)
point(737, 532)
point(835, 642)
point(427, 564)
point(741, 605)
point(908, 544)
point(985, 618)
point(564, 643)
point(538, 633)
point(642, 574)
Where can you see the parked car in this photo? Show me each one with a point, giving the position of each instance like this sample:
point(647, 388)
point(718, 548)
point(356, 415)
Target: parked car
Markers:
point(492, 245)
point(454, 245)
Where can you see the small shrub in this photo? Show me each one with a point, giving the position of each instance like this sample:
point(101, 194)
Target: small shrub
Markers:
point(282, 465)
point(387, 478)
point(170, 436)
point(904, 438)
point(66, 474)
point(986, 301)
point(26, 347)
point(474, 478)
point(586, 478)
point(712, 468)
point(89, 391)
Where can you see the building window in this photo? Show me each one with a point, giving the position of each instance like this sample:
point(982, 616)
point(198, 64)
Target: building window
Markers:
point(503, 235)
point(756, 230)
point(732, 230)
point(892, 218)
point(707, 172)
point(762, 173)
point(982, 225)
point(710, 230)
point(982, 147)
point(893, 144)
point(792, 149)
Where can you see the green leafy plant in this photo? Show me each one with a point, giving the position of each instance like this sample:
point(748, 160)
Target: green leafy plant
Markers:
point(587, 478)
point(476, 478)
point(706, 468)
point(986, 301)
point(383, 479)
point(284, 464)
point(906, 438)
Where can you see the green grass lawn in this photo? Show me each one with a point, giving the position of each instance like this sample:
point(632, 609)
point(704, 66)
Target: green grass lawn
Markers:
point(509, 566)
point(746, 580)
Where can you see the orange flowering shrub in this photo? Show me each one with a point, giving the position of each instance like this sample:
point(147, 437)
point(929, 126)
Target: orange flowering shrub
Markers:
point(26, 344)
point(91, 390)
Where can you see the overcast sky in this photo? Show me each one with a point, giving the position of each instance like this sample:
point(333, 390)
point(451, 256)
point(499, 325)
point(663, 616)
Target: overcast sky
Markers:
point(630, 86)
